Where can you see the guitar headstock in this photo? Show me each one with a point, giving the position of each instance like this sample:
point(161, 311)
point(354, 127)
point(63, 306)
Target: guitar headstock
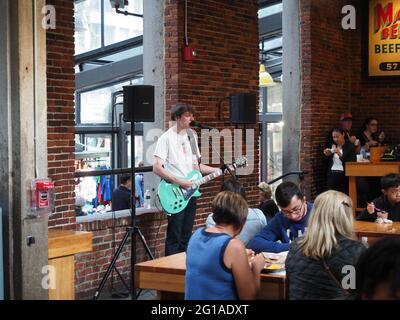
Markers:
point(240, 162)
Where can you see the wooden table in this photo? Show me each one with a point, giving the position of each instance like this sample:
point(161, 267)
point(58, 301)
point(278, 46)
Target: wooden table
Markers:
point(167, 276)
point(62, 246)
point(374, 231)
point(367, 169)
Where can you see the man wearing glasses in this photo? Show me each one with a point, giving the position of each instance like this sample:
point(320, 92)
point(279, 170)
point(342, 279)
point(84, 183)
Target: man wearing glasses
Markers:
point(288, 224)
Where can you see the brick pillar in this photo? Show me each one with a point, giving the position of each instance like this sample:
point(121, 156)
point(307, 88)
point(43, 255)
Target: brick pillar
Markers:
point(225, 36)
point(333, 69)
point(61, 112)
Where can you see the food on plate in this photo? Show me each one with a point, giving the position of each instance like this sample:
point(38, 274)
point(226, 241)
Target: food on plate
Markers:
point(381, 220)
point(274, 266)
point(279, 258)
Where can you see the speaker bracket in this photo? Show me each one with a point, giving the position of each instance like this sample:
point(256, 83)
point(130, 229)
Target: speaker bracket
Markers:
point(220, 107)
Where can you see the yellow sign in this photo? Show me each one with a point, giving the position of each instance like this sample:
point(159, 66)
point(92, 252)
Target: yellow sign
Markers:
point(384, 38)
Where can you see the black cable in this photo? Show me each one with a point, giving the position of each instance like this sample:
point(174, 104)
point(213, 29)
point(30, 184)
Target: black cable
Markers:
point(160, 210)
point(299, 173)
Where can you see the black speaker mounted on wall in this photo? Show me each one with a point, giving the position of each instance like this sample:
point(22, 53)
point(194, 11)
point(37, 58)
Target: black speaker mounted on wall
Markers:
point(243, 108)
point(139, 103)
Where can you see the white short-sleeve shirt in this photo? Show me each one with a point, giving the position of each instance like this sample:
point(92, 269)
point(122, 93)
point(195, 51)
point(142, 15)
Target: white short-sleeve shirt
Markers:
point(176, 152)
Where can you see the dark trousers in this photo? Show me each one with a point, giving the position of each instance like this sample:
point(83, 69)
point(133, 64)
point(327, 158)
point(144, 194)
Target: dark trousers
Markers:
point(337, 181)
point(179, 229)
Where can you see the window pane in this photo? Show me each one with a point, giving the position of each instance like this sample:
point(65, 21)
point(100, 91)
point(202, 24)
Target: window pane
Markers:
point(130, 53)
point(138, 150)
point(92, 150)
point(274, 97)
point(274, 152)
point(270, 10)
point(118, 27)
point(96, 104)
point(270, 44)
point(261, 100)
point(87, 25)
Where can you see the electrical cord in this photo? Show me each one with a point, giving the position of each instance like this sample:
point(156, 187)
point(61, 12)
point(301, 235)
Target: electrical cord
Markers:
point(160, 210)
point(186, 36)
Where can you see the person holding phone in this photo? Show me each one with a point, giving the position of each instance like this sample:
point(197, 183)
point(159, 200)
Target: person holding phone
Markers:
point(342, 151)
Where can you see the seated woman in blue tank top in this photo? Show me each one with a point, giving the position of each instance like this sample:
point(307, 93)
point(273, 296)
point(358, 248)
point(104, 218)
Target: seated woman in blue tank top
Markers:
point(218, 267)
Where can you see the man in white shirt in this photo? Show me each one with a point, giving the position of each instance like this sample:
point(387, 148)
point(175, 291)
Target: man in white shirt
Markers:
point(173, 160)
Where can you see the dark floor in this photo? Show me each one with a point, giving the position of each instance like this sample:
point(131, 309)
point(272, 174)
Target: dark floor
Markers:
point(144, 295)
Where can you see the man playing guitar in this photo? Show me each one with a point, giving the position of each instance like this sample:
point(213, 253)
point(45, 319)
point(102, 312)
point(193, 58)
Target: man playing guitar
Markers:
point(174, 158)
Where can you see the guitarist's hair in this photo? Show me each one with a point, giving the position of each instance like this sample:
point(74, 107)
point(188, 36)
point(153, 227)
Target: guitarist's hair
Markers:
point(179, 109)
point(230, 208)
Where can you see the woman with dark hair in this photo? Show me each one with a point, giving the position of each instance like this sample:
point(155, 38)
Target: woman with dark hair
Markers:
point(378, 271)
point(370, 136)
point(341, 152)
point(218, 267)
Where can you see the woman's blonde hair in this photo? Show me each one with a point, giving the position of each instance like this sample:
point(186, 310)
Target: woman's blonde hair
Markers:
point(332, 215)
point(230, 208)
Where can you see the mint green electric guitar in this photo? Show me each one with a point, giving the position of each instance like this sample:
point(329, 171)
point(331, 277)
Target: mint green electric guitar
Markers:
point(174, 198)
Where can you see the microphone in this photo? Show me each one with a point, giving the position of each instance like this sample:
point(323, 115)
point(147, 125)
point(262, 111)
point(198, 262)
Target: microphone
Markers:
point(199, 125)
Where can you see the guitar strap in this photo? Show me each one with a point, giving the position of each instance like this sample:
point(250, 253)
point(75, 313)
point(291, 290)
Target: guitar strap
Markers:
point(193, 145)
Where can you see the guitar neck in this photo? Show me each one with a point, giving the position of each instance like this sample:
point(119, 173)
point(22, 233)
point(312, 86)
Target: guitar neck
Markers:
point(207, 178)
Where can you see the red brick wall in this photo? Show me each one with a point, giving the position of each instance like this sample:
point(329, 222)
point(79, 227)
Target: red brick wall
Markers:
point(60, 114)
point(373, 97)
point(333, 81)
point(225, 36)
point(91, 266)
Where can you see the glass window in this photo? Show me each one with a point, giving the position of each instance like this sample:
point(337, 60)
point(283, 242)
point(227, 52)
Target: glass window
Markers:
point(87, 25)
point(270, 10)
point(133, 52)
point(138, 150)
point(92, 150)
point(95, 105)
point(274, 98)
point(272, 43)
point(118, 27)
point(274, 150)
